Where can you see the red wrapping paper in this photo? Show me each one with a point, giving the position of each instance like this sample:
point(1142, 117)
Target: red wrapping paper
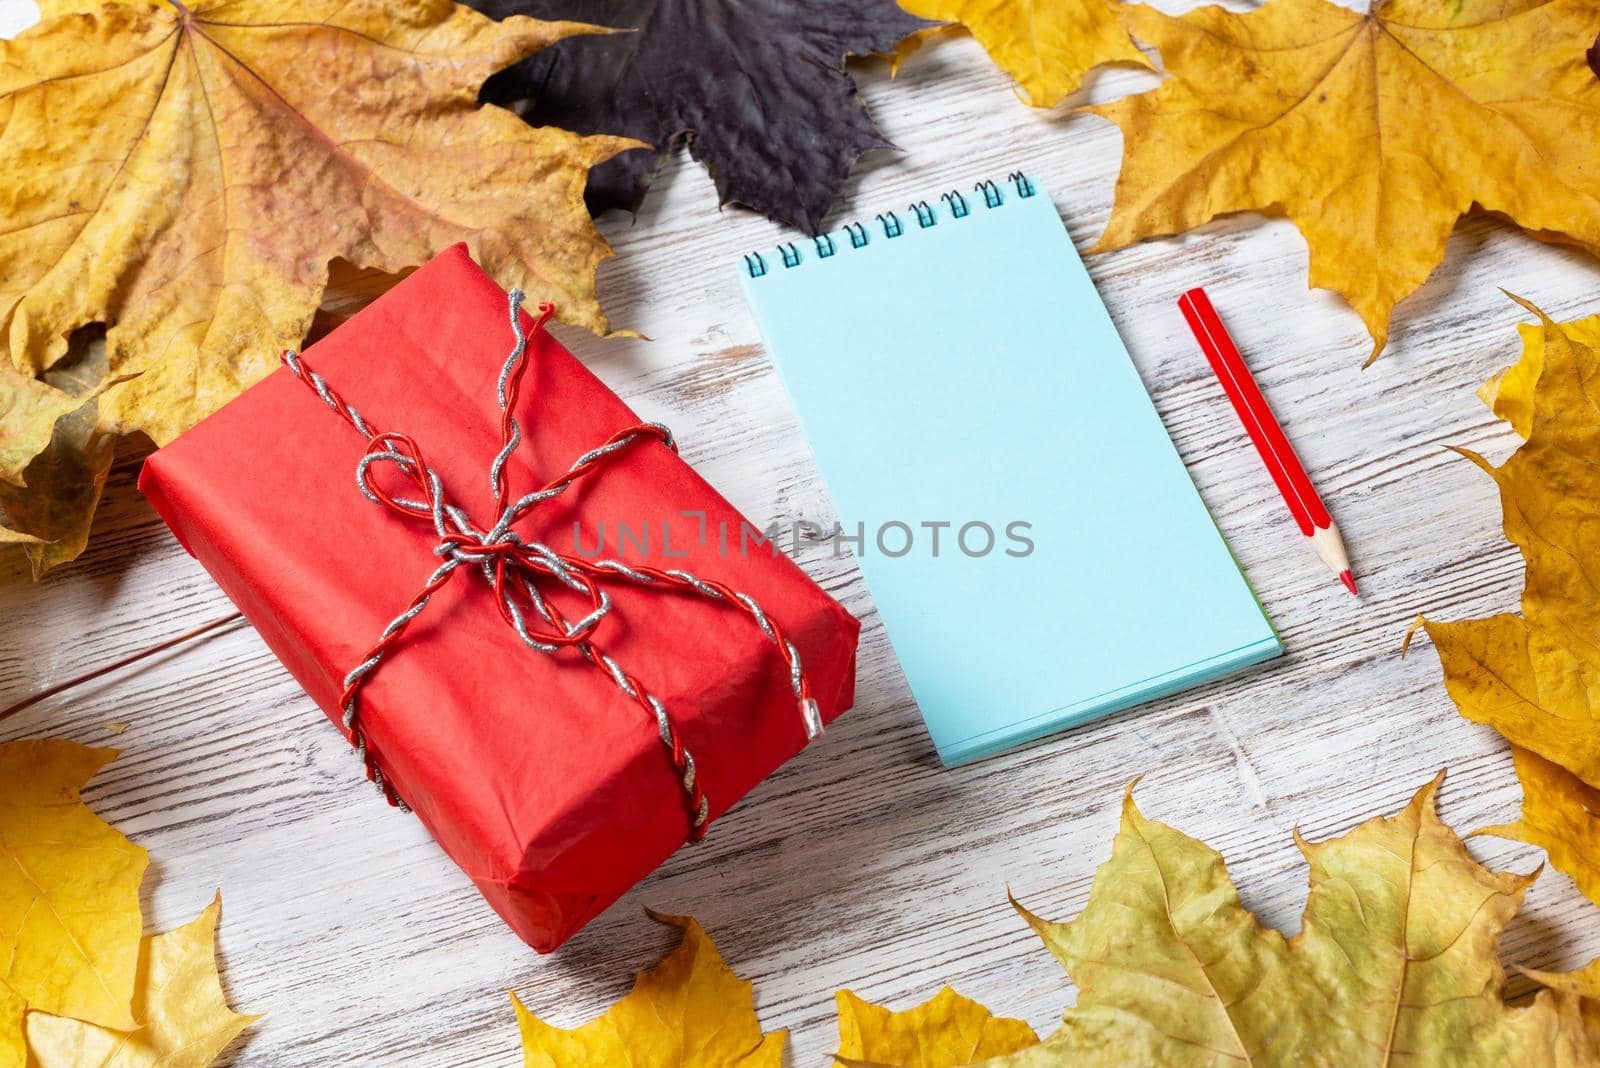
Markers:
point(549, 787)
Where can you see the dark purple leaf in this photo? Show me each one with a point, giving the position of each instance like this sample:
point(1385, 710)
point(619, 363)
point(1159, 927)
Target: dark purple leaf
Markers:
point(757, 88)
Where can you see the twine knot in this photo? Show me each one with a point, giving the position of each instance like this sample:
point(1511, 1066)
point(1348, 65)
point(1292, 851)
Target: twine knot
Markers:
point(514, 567)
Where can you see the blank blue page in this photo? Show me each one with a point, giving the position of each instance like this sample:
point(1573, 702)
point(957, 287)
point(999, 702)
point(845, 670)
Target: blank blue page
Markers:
point(966, 372)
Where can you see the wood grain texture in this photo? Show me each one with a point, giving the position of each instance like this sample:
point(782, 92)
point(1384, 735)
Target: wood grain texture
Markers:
point(862, 863)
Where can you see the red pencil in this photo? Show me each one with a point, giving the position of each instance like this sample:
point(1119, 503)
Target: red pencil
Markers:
point(1276, 452)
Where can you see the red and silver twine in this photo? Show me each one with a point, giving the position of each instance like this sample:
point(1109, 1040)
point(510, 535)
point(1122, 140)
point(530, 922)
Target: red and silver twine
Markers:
point(513, 567)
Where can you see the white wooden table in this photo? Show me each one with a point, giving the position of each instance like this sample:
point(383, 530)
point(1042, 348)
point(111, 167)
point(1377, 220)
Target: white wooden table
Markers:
point(862, 863)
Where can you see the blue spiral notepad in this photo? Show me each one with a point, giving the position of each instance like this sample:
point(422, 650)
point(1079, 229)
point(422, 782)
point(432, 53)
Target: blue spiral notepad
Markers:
point(1037, 551)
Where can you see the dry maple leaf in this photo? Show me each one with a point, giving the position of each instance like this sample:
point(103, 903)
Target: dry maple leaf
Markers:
point(945, 1031)
point(184, 1017)
point(1372, 132)
point(1046, 47)
point(1397, 960)
point(49, 508)
point(29, 409)
point(1509, 391)
point(1585, 982)
point(689, 1011)
point(757, 88)
point(1576, 996)
point(1536, 677)
point(1397, 955)
point(13, 1046)
point(1561, 815)
point(186, 174)
point(69, 890)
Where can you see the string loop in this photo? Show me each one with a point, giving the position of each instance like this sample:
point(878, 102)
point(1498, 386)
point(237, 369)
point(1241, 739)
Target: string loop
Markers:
point(394, 473)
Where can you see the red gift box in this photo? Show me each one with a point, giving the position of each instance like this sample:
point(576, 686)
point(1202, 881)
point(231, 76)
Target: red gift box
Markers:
point(536, 773)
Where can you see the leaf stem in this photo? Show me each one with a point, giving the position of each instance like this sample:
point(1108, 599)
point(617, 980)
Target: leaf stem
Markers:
point(106, 669)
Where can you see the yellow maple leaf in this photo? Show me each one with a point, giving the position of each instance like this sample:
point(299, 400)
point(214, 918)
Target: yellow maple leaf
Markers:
point(13, 1046)
point(1576, 996)
point(689, 1011)
point(1397, 955)
point(1585, 982)
point(1509, 392)
point(1047, 47)
point(29, 409)
point(184, 1017)
point(945, 1031)
point(49, 9)
point(186, 174)
point(1561, 815)
point(1536, 677)
point(69, 888)
point(49, 507)
point(1373, 132)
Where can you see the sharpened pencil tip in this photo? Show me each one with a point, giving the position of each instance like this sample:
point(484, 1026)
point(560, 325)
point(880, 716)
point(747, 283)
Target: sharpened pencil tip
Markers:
point(1349, 581)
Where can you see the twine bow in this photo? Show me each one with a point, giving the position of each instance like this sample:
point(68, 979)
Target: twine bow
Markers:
point(514, 567)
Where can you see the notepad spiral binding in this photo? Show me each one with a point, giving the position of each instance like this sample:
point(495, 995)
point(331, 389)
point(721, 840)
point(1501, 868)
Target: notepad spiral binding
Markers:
point(859, 236)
